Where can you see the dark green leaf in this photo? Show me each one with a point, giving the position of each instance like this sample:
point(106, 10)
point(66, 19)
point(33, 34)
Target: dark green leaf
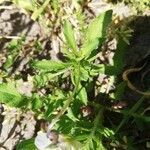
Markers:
point(118, 59)
point(119, 90)
point(69, 125)
point(26, 145)
point(71, 115)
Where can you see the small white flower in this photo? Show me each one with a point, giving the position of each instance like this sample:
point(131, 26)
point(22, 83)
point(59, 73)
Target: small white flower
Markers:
point(42, 141)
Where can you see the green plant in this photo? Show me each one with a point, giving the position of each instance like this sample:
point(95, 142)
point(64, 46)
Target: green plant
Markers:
point(79, 68)
point(14, 50)
point(66, 105)
point(67, 93)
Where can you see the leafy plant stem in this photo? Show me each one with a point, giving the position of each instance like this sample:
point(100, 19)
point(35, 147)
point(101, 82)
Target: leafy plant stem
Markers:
point(78, 80)
point(131, 111)
point(56, 119)
point(40, 10)
point(70, 99)
point(97, 121)
point(62, 71)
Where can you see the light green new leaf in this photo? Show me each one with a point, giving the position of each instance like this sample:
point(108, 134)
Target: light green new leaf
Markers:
point(69, 36)
point(97, 29)
point(107, 132)
point(36, 103)
point(97, 69)
point(84, 76)
point(50, 65)
point(26, 4)
point(9, 62)
point(10, 96)
point(88, 47)
point(37, 12)
point(82, 94)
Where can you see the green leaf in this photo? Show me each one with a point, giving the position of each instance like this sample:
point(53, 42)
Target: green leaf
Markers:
point(71, 115)
point(36, 102)
point(82, 94)
point(67, 54)
point(93, 143)
point(98, 28)
point(37, 12)
point(69, 36)
point(8, 62)
point(118, 59)
point(142, 118)
point(107, 132)
point(69, 125)
point(96, 33)
point(98, 144)
point(26, 145)
point(120, 90)
point(25, 4)
point(97, 69)
point(84, 76)
point(81, 137)
point(49, 65)
point(10, 96)
point(44, 77)
point(131, 111)
point(88, 47)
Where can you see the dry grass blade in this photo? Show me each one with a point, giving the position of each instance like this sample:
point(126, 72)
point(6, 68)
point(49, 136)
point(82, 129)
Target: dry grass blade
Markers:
point(130, 85)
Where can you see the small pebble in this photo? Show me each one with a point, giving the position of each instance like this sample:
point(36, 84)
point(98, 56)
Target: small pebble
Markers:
point(5, 15)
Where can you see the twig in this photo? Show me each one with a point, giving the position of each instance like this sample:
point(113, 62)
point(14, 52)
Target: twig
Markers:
point(10, 37)
point(7, 7)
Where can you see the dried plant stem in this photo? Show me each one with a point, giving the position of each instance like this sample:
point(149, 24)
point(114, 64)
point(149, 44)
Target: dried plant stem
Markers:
point(10, 37)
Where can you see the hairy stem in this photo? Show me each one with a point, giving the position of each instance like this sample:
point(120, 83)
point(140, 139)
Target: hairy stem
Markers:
point(70, 99)
point(54, 121)
point(97, 121)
